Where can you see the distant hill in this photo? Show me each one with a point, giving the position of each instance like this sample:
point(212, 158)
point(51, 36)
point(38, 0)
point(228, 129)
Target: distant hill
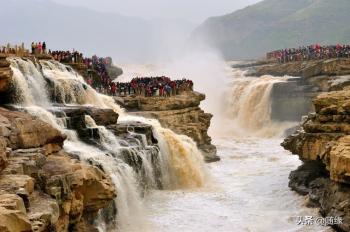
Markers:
point(126, 39)
point(274, 24)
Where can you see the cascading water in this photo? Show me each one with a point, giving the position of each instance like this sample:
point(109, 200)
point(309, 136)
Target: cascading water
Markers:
point(247, 106)
point(183, 171)
point(29, 82)
point(179, 162)
point(251, 190)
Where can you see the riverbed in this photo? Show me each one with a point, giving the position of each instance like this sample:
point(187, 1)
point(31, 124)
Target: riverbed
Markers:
point(247, 191)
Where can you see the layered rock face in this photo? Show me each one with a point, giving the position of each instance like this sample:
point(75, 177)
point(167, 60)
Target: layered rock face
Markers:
point(306, 69)
point(42, 188)
point(180, 113)
point(323, 144)
point(293, 98)
point(5, 77)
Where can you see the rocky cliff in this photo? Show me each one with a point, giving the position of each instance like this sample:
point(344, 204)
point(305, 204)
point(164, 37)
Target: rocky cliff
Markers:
point(52, 183)
point(306, 69)
point(5, 77)
point(323, 140)
point(42, 187)
point(180, 113)
point(323, 144)
point(304, 80)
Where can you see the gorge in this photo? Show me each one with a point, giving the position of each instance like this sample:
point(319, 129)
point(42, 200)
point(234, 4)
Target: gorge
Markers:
point(74, 160)
point(100, 160)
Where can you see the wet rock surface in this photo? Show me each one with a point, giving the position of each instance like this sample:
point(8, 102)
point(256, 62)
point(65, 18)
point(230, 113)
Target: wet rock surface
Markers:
point(42, 188)
point(180, 113)
point(323, 144)
point(5, 78)
point(306, 69)
point(304, 81)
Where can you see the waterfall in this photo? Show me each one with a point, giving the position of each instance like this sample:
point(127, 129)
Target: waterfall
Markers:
point(182, 170)
point(30, 83)
point(247, 106)
point(175, 162)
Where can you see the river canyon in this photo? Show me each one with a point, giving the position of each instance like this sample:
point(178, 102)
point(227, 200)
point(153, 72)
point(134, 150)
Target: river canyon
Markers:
point(248, 189)
point(161, 182)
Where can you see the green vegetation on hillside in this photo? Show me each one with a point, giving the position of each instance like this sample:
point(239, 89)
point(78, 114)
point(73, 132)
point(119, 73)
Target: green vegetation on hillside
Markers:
point(276, 24)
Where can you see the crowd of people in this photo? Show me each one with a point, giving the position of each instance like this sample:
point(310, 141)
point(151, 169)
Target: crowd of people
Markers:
point(103, 83)
point(311, 52)
point(67, 56)
point(38, 48)
point(14, 49)
point(98, 76)
point(151, 86)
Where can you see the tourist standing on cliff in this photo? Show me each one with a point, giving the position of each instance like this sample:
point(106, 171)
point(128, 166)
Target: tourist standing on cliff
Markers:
point(44, 47)
point(40, 48)
point(33, 48)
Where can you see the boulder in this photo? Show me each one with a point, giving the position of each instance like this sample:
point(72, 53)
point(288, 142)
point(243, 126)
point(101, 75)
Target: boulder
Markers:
point(28, 132)
point(14, 221)
point(102, 117)
point(41, 187)
point(13, 216)
point(84, 185)
point(18, 184)
point(3, 154)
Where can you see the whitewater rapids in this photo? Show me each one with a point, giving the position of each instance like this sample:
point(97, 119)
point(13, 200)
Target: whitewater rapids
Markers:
point(250, 194)
point(40, 86)
point(246, 191)
point(249, 186)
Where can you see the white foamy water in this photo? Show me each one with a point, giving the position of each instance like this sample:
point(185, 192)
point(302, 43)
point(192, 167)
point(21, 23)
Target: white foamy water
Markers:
point(246, 191)
point(249, 192)
point(180, 162)
point(247, 106)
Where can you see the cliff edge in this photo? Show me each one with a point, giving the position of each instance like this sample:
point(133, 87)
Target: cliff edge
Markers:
point(180, 113)
point(323, 144)
point(42, 187)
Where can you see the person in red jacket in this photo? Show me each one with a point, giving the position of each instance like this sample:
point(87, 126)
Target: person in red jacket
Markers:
point(40, 48)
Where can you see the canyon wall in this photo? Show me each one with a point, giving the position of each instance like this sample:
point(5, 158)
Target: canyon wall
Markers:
point(5, 78)
point(42, 187)
point(180, 113)
point(85, 168)
point(323, 144)
point(318, 89)
point(304, 81)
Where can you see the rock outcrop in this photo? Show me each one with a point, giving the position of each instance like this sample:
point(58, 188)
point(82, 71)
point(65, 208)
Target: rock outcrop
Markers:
point(323, 144)
point(5, 77)
point(43, 188)
point(304, 80)
point(306, 69)
point(180, 113)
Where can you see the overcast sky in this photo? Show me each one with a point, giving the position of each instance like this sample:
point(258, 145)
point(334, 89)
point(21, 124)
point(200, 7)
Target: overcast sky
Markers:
point(190, 10)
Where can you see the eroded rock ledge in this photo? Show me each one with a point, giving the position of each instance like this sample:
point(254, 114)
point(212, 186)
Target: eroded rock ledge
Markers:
point(180, 113)
point(306, 69)
point(43, 188)
point(5, 76)
point(323, 144)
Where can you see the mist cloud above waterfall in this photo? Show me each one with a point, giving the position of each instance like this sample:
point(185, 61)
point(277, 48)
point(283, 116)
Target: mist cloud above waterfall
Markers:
point(131, 31)
point(191, 10)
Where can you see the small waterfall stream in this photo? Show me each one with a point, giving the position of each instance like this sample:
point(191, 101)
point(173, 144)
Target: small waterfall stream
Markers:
point(44, 89)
